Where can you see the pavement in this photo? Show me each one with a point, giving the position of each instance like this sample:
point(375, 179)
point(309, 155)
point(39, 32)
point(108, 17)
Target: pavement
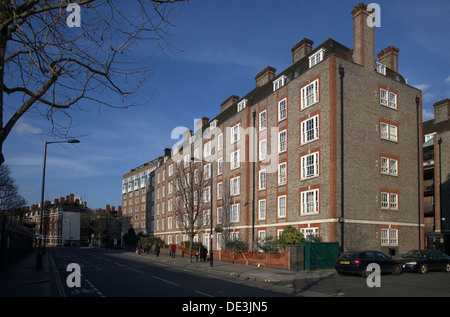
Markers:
point(24, 280)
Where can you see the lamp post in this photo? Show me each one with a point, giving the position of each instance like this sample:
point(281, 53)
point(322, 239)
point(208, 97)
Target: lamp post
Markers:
point(440, 187)
point(40, 248)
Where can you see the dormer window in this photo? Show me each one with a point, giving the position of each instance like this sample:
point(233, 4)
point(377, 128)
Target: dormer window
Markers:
point(316, 58)
point(241, 105)
point(213, 125)
point(380, 68)
point(280, 82)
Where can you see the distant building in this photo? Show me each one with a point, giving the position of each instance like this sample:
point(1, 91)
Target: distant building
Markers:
point(436, 164)
point(138, 198)
point(61, 220)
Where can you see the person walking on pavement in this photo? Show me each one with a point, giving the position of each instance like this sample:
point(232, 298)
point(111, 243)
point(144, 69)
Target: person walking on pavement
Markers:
point(157, 249)
point(174, 248)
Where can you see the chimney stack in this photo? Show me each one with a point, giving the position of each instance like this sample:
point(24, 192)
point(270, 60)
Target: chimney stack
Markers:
point(119, 211)
point(265, 76)
point(363, 38)
point(108, 210)
point(229, 102)
point(167, 152)
point(301, 49)
point(442, 110)
point(389, 57)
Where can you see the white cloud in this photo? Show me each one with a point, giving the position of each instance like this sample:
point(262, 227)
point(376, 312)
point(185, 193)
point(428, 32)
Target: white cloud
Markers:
point(427, 114)
point(23, 127)
point(422, 86)
point(447, 80)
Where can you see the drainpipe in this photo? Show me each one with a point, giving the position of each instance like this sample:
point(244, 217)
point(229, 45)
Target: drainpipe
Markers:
point(419, 189)
point(253, 200)
point(341, 220)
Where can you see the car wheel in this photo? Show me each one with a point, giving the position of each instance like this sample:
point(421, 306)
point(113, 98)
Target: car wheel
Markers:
point(397, 270)
point(447, 267)
point(423, 269)
point(365, 273)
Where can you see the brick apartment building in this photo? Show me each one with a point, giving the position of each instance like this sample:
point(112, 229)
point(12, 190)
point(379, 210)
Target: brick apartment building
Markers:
point(436, 162)
point(138, 197)
point(295, 169)
point(61, 220)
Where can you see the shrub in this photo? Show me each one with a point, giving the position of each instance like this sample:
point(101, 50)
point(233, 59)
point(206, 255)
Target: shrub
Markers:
point(237, 246)
point(290, 235)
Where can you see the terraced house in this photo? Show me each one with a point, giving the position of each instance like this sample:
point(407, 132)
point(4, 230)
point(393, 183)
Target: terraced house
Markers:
point(329, 145)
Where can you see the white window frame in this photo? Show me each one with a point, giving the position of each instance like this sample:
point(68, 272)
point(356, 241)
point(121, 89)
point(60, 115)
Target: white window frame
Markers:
point(235, 186)
point(310, 129)
point(262, 149)
point(282, 112)
point(281, 206)
point(389, 236)
point(316, 58)
point(278, 83)
point(309, 202)
point(262, 180)
point(219, 166)
point(282, 173)
point(389, 166)
point(235, 133)
point(220, 142)
point(262, 120)
point(380, 68)
point(310, 165)
point(241, 105)
point(388, 131)
point(282, 141)
point(389, 201)
point(219, 190)
point(234, 213)
point(262, 209)
point(235, 159)
point(310, 94)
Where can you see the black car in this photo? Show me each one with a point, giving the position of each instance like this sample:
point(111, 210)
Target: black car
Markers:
point(357, 262)
point(423, 261)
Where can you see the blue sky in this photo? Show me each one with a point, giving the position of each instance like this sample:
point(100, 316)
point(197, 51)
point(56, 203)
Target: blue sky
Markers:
point(222, 45)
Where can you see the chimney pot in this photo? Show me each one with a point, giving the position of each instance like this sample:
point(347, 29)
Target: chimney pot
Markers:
point(389, 57)
point(265, 76)
point(363, 38)
point(229, 102)
point(301, 49)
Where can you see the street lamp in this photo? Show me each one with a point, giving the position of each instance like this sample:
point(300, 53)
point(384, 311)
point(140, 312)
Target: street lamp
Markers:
point(440, 188)
point(40, 248)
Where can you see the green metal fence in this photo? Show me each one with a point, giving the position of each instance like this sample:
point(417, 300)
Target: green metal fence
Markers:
point(320, 255)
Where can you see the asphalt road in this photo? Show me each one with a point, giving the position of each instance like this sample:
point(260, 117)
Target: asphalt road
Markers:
point(116, 274)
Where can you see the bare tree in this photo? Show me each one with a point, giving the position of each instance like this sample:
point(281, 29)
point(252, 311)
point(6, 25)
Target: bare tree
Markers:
point(10, 199)
point(227, 199)
point(56, 53)
point(193, 194)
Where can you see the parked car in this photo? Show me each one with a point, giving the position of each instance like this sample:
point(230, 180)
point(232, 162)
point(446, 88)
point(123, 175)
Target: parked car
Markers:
point(422, 261)
point(357, 262)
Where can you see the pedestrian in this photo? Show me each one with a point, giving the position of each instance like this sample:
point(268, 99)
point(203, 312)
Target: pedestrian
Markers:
point(157, 249)
point(174, 248)
point(196, 256)
point(203, 252)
